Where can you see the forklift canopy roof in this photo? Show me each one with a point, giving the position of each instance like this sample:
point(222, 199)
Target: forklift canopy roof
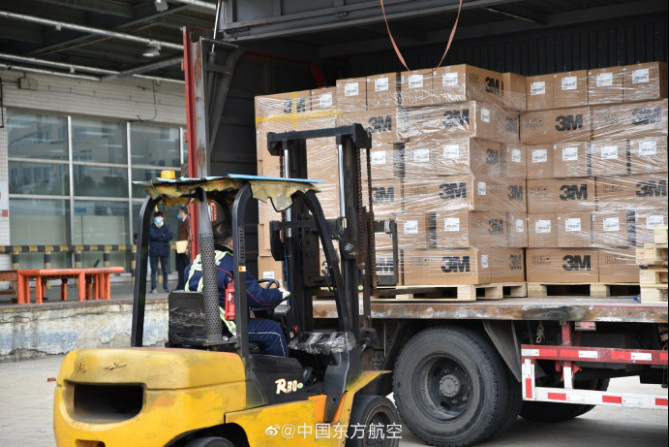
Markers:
point(180, 191)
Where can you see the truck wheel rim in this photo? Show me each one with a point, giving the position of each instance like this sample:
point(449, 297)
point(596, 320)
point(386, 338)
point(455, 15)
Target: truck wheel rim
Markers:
point(445, 387)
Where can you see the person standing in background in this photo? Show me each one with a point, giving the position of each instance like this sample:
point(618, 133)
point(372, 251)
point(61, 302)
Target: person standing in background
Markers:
point(159, 249)
point(183, 245)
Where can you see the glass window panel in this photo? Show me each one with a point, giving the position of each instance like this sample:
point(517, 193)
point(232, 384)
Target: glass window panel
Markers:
point(36, 136)
point(154, 146)
point(142, 175)
point(99, 141)
point(100, 222)
point(39, 222)
point(100, 181)
point(39, 178)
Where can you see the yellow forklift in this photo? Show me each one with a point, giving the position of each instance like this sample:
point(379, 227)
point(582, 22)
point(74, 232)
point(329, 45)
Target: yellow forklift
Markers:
point(206, 389)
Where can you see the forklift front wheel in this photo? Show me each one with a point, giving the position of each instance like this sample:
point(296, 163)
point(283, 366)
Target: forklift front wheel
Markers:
point(374, 422)
point(210, 441)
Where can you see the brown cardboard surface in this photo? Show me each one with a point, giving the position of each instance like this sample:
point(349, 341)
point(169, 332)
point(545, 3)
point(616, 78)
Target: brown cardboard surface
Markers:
point(539, 161)
point(574, 229)
point(570, 89)
point(562, 265)
point(542, 231)
point(632, 192)
point(572, 159)
point(644, 82)
point(539, 92)
point(609, 156)
point(555, 126)
point(412, 230)
point(460, 83)
point(351, 94)
point(322, 165)
point(291, 103)
point(439, 156)
point(464, 193)
point(618, 266)
point(383, 90)
point(561, 194)
point(382, 123)
point(516, 229)
point(645, 221)
point(605, 85)
point(613, 229)
point(513, 160)
point(386, 198)
point(471, 119)
point(324, 98)
point(515, 95)
point(416, 88)
point(386, 161)
point(454, 266)
point(467, 229)
point(508, 265)
point(648, 154)
point(630, 120)
point(269, 268)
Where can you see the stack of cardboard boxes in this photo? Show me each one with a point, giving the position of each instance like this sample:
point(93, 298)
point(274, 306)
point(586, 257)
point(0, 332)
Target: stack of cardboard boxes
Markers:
point(597, 169)
point(476, 165)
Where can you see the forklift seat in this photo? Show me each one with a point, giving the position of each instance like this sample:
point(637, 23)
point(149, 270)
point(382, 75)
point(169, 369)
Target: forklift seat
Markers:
point(323, 342)
point(187, 319)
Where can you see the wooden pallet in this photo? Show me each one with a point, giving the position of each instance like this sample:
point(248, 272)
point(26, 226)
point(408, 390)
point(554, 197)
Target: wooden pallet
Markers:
point(653, 274)
point(463, 292)
point(652, 254)
point(594, 290)
point(653, 293)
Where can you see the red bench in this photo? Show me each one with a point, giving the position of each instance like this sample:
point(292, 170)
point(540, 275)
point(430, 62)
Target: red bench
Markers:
point(93, 282)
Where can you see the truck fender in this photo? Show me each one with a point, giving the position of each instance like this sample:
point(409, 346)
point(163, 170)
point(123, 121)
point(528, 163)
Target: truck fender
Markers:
point(503, 336)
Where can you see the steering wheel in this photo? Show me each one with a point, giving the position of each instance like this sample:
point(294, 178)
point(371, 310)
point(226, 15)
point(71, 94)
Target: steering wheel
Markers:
point(270, 282)
point(267, 312)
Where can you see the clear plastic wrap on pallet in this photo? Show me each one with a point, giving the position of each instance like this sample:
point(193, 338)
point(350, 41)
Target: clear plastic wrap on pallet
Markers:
point(476, 229)
point(630, 120)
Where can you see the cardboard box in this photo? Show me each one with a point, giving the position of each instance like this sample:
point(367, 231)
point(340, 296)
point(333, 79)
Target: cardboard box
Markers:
point(542, 231)
point(539, 92)
point(555, 126)
point(416, 88)
point(447, 266)
point(539, 161)
point(648, 154)
point(514, 92)
point(508, 265)
point(645, 221)
point(561, 194)
point(381, 123)
point(412, 230)
point(516, 229)
point(439, 156)
point(322, 165)
point(460, 83)
point(609, 157)
point(385, 264)
point(570, 89)
point(291, 103)
point(613, 229)
point(572, 159)
point(618, 266)
point(574, 229)
point(471, 119)
point(630, 120)
point(386, 161)
point(632, 192)
point(467, 229)
point(323, 98)
point(514, 164)
point(464, 193)
point(352, 94)
point(605, 85)
point(645, 82)
point(386, 198)
point(562, 265)
point(270, 269)
point(383, 91)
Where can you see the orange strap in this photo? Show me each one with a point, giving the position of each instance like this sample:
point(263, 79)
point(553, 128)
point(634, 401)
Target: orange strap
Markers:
point(397, 50)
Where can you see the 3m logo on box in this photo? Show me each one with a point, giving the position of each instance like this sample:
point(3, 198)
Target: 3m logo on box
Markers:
point(383, 123)
point(383, 194)
point(496, 226)
point(455, 118)
point(492, 157)
point(647, 116)
point(299, 103)
point(515, 262)
point(453, 190)
point(576, 263)
point(569, 122)
point(652, 189)
point(515, 192)
point(574, 192)
point(511, 124)
point(385, 266)
point(492, 86)
point(452, 264)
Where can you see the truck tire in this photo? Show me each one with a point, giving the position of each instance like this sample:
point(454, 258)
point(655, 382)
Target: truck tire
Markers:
point(514, 404)
point(375, 410)
point(210, 441)
point(450, 386)
point(556, 412)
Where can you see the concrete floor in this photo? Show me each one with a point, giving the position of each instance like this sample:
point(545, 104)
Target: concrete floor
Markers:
point(26, 394)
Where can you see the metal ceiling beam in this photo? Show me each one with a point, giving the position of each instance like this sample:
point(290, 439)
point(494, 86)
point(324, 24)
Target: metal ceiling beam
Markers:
point(145, 68)
point(199, 4)
point(48, 72)
point(84, 39)
point(97, 6)
point(88, 30)
point(528, 17)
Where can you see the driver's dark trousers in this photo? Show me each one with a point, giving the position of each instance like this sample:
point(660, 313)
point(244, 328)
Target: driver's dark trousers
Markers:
point(269, 336)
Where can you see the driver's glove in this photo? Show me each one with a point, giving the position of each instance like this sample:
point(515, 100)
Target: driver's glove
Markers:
point(284, 293)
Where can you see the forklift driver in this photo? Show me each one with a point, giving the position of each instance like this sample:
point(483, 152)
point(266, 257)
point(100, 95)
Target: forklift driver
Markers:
point(266, 333)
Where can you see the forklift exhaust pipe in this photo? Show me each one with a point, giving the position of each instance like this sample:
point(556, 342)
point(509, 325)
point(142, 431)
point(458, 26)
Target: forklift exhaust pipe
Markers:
point(213, 326)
